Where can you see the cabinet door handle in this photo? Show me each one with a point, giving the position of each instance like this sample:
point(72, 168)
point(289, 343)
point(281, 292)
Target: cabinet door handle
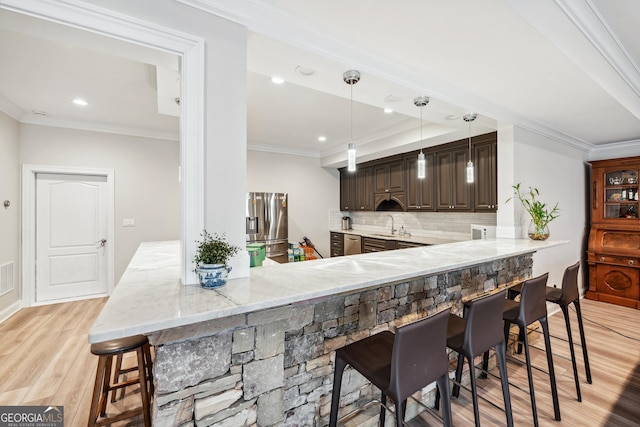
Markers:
point(601, 259)
point(631, 262)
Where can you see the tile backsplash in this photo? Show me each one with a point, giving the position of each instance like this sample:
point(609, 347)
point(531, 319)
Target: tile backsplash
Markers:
point(456, 226)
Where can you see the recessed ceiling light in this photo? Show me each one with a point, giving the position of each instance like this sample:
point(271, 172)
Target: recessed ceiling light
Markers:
point(388, 110)
point(322, 138)
point(451, 117)
point(39, 113)
point(392, 98)
point(277, 80)
point(305, 71)
point(80, 102)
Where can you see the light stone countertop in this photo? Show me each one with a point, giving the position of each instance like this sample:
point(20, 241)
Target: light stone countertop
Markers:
point(149, 297)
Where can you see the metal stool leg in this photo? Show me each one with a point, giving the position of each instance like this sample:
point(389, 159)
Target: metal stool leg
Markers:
point(335, 395)
point(443, 389)
point(582, 339)
point(552, 374)
point(530, 376)
point(456, 388)
point(474, 391)
point(501, 355)
point(567, 321)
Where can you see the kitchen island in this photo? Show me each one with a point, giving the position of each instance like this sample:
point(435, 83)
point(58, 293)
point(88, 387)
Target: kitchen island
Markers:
point(259, 350)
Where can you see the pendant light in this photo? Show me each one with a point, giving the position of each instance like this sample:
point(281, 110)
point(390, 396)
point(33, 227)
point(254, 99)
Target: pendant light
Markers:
point(469, 118)
point(421, 101)
point(351, 77)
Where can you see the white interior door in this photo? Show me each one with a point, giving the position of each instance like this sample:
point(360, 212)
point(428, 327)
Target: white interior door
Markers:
point(71, 232)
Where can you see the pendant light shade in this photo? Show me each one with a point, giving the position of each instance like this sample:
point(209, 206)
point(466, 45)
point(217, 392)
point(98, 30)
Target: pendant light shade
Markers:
point(470, 172)
point(422, 166)
point(421, 101)
point(351, 77)
point(351, 157)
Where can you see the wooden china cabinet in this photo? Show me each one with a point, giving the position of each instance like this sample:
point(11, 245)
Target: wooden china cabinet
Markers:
point(614, 240)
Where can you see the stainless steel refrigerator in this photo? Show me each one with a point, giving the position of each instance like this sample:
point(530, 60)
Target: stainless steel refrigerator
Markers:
point(268, 223)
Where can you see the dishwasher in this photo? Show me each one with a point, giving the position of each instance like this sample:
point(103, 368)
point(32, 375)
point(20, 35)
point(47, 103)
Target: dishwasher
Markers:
point(352, 244)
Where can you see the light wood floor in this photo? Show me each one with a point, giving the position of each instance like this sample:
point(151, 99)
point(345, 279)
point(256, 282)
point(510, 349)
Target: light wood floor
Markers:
point(45, 360)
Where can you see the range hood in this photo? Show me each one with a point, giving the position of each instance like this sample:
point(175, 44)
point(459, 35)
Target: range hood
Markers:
point(390, 202)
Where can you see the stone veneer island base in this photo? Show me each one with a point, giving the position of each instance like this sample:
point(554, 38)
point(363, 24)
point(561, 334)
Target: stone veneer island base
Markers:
point(274, 365)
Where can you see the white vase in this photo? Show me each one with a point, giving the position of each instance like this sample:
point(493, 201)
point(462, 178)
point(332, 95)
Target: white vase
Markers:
point(213, 276)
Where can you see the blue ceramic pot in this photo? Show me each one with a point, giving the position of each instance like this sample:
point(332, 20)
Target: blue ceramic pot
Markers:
point(213, 276)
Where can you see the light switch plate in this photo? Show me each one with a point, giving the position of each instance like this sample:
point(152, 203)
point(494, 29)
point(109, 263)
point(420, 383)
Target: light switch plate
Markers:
point(128, 222)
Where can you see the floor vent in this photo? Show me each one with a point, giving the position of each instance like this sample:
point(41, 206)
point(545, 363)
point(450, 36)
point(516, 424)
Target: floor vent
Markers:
point(6, 278)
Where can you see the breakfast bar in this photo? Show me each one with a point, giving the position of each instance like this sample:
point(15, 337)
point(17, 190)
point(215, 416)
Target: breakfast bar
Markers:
point(259, 350)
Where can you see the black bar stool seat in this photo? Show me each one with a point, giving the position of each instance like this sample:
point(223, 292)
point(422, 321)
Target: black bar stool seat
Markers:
point(399, 364)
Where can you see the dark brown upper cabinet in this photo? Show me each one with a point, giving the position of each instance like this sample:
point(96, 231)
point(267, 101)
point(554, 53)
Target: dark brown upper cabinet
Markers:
point(453, 191)
point(364, 190)
point(347, 190)
point(392, 183)
point(420, 191)
point(485, 162)
point(356, 189)
point(389, 176)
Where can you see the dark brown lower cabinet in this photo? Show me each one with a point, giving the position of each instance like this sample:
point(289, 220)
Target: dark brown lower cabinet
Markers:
point(377, 245)
point(337, 244)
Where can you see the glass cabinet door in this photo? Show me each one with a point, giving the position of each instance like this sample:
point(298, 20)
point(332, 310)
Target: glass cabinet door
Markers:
point(621, 194)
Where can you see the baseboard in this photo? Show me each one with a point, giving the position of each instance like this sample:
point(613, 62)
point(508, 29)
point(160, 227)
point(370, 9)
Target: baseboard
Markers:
point(10, 311)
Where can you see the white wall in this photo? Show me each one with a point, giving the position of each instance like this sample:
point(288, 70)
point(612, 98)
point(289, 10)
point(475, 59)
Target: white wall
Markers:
point(224, 96)
point(145, 172)
point(10, 217)
point(313, 192)
point(559, 173)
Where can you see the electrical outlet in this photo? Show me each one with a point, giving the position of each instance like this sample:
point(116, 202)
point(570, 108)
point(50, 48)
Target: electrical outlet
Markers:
point(128, 222)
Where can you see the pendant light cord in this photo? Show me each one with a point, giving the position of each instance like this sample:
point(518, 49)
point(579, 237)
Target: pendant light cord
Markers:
point(469, 122)
point(421, 128)
point(351, 86)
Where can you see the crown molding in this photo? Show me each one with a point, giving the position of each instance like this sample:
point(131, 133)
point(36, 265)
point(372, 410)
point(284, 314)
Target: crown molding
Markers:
point(100, 127)
point(586, 17)
point(10, 108)
point(277, 149)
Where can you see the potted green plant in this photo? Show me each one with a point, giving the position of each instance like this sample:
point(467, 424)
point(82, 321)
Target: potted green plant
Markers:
point(212, 255)
point(540, 214)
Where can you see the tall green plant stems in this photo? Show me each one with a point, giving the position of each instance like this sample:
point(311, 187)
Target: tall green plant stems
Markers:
point(540, 214)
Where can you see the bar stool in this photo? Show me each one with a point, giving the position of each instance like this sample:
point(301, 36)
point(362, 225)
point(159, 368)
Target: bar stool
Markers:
point(105, 352)
point(532, 307)
point(119, 371)
point(473, 335)
point(399, 364)
point(563, 297)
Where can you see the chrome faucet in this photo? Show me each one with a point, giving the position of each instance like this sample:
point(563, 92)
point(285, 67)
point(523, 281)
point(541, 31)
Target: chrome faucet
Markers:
point(393, 229)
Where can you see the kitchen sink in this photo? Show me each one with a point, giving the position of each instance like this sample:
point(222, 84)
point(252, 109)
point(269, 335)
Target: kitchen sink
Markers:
point(384, 235)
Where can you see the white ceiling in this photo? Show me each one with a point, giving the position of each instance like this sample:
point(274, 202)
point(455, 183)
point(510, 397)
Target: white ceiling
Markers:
point(566, 69)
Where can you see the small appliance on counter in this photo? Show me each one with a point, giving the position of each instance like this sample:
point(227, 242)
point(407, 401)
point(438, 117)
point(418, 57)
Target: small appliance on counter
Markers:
point(257, 254)
point(483, 232)
point(346, 223)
